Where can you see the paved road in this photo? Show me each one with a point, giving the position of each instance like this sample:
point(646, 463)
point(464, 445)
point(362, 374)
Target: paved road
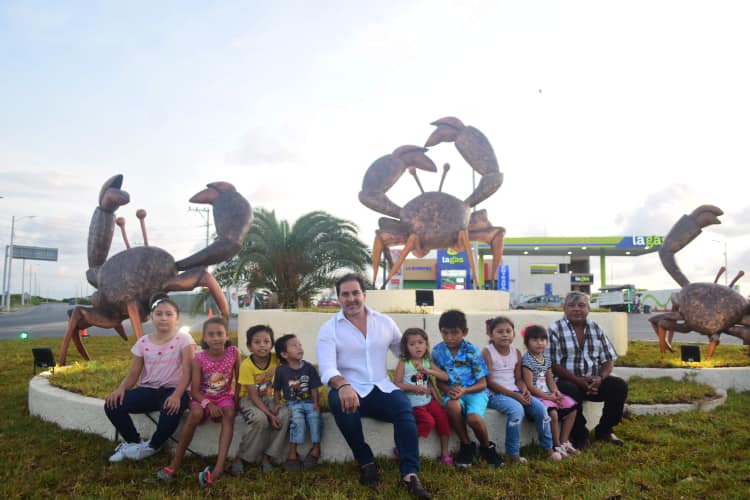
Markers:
point(639, 328)
point(51, 321)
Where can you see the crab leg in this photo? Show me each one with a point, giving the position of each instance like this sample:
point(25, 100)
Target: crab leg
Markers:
point(84, 317)
point(199, 277)
point(480, 229)
point(465, 244)
point(408, 246)
point(135, 319)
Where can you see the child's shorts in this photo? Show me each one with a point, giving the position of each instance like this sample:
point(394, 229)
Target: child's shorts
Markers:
point(472, 404)
point(225, 401)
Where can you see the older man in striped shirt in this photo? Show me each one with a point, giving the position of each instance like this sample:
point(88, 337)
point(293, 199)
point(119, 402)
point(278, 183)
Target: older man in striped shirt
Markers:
point(582, 360)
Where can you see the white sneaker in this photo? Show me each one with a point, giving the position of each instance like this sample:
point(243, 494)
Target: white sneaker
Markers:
point(139, 451)
point(119, 454)
point(555, 456)
point(562, 452)
point(569, 449)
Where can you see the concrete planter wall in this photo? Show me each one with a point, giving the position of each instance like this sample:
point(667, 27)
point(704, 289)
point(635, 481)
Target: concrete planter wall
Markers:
point(73, 411)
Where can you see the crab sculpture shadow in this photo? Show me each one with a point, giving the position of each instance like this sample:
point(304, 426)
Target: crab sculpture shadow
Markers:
point(126, 281)
point(707, 308)
point(434, 220)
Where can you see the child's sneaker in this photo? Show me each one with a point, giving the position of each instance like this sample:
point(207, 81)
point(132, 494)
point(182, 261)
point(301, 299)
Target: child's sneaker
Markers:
point(139, 451)
point(562, 452)
point(119, 454)
point(165, 474)
point(490, 456)
point(569, 449)
point(555, 456)
point(445, 459)
point(465, 455)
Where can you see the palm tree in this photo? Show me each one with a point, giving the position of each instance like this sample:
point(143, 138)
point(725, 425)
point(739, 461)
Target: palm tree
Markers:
point(295, 262)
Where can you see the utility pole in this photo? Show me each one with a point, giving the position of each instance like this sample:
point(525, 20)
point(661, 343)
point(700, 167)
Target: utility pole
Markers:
point(206, 214)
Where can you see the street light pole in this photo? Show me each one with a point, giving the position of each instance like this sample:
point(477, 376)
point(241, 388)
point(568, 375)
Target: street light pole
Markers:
point(726, 266)
point(10, 256)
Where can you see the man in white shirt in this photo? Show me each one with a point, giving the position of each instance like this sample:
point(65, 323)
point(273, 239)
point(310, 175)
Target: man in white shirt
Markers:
point(352, 352)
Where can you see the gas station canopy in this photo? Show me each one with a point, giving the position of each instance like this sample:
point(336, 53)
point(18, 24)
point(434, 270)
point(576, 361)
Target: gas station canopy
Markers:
point(613, 246)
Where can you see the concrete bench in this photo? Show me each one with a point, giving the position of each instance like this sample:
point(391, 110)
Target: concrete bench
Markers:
point(73, 411)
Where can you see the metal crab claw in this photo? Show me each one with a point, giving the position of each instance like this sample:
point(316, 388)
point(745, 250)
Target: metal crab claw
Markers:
point(385, 171)
point(476, 149)
point(683, 232)
point(233, 217)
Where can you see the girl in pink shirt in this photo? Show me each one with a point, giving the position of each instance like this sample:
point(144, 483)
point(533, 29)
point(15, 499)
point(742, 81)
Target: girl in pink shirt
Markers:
point(215, 371)
point(161, 361)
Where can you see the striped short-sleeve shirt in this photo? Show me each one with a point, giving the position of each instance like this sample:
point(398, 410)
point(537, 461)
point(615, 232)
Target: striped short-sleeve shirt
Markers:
point(583, 360)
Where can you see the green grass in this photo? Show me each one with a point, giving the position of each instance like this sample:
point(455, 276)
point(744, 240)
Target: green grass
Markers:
point(690, 455)
point(647, 355)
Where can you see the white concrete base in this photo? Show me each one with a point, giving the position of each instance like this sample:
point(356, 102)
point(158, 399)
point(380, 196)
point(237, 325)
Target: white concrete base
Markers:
point(307, 324)
point(737, 378)
point(73, 411)
point(661, 409)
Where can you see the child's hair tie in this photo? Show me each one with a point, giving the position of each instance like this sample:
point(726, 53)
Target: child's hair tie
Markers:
point(523, 332)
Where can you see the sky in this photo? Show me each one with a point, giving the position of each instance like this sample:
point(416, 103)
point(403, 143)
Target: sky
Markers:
point(607, 118)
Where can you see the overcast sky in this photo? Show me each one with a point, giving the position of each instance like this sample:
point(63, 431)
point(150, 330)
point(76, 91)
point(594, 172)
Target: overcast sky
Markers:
point(607, 118)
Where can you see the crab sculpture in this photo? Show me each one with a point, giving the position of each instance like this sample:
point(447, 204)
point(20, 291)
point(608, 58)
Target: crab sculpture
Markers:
point(434, 220)
point(707, 308)
point(127, 280)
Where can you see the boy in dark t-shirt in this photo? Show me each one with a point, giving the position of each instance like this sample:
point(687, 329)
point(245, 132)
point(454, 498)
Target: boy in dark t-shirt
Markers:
point(298, 381)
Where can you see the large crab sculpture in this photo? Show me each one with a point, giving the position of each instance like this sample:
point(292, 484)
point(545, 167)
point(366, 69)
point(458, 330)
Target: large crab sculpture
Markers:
point(707, 308)
point(126, 280)
point(434, 220)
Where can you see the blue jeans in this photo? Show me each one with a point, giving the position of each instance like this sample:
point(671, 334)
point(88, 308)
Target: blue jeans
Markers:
point(390, 407)
point(514, 413)
point(145, 400)
point(302, 413)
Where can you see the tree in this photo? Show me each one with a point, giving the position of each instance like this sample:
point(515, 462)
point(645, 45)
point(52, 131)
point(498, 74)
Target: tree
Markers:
point(295, 262)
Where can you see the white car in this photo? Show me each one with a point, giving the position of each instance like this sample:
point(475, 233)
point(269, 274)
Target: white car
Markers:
point(541, 302)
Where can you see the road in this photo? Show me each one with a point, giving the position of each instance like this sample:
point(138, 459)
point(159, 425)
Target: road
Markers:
point(51, 321)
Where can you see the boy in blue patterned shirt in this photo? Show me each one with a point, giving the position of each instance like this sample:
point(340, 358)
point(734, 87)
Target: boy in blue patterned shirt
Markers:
point(465, 394)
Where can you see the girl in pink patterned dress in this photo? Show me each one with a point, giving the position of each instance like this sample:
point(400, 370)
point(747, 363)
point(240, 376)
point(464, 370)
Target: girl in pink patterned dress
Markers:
point(214, 370)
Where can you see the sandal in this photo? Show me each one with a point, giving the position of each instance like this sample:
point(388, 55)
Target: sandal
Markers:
point(235, 470)
point(310, 462)
point(204, 477)
point(292, 465)
point(266, 468)
point(165, 474)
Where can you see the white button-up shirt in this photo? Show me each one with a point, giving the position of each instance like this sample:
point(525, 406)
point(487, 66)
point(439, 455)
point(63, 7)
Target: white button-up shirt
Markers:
point(343, 350)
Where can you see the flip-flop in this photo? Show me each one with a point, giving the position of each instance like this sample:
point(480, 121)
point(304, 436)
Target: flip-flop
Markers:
point(165, 474)
point(204, 478)
point(266, 468)
point(235, 470)
point(310, 462)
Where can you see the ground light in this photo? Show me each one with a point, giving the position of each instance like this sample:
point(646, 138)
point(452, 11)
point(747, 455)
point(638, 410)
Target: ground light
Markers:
point(43, 358)
point(23, 336)
point(184, 329)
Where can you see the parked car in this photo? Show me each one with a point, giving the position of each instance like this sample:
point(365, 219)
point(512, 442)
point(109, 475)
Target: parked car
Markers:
point(329, 302)
point(541, 302)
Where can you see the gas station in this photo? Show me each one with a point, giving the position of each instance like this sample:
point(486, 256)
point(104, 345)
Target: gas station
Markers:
point(537, 265)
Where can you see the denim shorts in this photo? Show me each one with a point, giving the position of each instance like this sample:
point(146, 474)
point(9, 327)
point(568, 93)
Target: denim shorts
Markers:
point(303, 416)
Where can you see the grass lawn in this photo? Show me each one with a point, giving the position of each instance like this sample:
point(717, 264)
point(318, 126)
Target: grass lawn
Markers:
point(681, 456)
